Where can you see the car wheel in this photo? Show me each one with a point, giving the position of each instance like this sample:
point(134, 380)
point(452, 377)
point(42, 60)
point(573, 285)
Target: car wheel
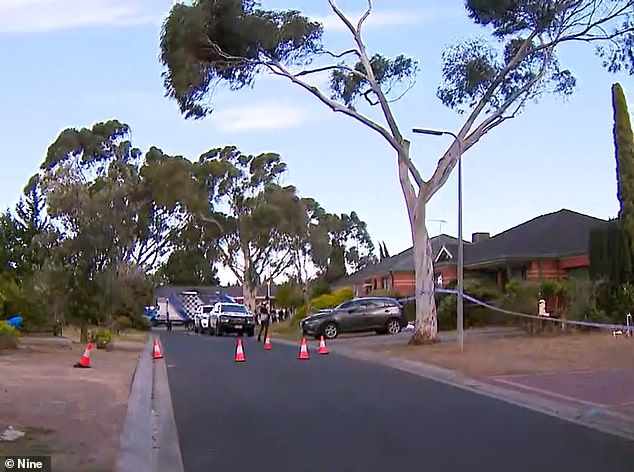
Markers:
point(393, 326)
point(218, 331)
point(212, 331)
point(331, 331)
point(251, 333)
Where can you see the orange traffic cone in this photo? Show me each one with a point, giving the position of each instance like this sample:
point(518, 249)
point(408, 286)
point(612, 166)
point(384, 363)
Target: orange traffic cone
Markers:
point(303, 350)
point(240, 352)
point(84, 362)
point(267, 343)
point(156, 354)
point(322, 347)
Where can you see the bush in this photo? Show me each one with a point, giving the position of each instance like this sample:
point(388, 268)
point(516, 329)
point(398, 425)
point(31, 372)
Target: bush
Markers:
point(579, 299)
point(7, 330)
point(103, 337)
point(121, 323)
point(521, 297)
point(8, 336)
point(386, 293)
point(325, 301)
point(142, 323)
point(474, 315)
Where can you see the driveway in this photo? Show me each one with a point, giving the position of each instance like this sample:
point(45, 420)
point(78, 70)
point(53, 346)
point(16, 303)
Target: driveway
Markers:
point(369, 340)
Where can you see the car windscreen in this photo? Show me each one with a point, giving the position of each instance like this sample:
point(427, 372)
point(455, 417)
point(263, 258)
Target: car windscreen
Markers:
point(207, 309)
point(241, 309)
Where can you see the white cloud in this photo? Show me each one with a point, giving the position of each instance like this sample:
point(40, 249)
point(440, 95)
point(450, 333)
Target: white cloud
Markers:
point(35, 16)
point(264, 117)
point(380, 18)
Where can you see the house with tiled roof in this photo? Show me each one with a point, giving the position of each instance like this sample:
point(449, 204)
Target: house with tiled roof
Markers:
point(549, 247)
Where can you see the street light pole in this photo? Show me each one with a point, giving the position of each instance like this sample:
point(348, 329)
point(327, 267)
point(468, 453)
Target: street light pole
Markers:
point(460, 298)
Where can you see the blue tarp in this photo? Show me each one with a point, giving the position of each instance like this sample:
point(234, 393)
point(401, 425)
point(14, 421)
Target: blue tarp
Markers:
point(16, 322)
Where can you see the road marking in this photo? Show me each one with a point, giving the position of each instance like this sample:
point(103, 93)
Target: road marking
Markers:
point(552, 394)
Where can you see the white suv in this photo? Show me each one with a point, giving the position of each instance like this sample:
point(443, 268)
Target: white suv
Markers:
point(201, 318)
point(231, 318)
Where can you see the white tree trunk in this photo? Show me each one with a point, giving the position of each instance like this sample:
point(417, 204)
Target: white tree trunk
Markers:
point(249, 292)
point(426, 329)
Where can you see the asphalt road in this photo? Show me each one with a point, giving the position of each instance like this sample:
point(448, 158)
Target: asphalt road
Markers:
point(330, 413)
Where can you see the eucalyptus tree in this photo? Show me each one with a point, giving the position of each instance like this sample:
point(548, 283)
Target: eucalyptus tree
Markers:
point(487, 80)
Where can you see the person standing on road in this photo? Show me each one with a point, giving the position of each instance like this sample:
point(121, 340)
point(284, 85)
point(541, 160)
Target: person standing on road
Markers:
point(265, 318)
point(168, 322)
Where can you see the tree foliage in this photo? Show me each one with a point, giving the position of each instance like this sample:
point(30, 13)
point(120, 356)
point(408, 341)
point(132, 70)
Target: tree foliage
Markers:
point(101, 222)
point(624, 152)
point(490, 82)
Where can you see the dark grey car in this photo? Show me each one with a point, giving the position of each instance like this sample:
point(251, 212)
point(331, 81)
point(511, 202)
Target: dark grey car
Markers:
point(380, 314)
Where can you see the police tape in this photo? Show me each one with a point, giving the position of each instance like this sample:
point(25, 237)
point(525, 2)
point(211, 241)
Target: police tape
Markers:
point(589, 324)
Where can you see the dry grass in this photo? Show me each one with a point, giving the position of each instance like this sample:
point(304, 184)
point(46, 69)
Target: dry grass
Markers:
point(521, 355)
point(129, 335)
point(288, 329)
point(75, 415)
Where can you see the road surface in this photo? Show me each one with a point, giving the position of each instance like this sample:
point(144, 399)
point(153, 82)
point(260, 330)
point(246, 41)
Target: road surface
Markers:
point(334, 414)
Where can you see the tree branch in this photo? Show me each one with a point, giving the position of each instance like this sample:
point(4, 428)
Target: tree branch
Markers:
point(376, 88)
point(487, 125)
point(449, 159)
point(331, 67)
point(280, 70)
point(406, 184)
point(341, 54)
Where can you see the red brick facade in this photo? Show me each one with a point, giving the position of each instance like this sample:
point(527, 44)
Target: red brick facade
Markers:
point(534, 271)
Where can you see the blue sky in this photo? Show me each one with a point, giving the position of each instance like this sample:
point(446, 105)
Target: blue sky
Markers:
point(74, 62)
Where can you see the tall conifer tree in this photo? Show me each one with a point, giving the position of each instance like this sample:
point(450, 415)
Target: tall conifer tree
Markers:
point(624, 150)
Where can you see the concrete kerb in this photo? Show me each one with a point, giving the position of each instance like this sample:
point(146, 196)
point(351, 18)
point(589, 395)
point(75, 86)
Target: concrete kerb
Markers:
point(601, 420)
point(149, 441)
point(135, 450)
point(167, 453)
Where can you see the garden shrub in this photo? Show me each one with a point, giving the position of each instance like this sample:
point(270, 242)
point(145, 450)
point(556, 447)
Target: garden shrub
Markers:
point(121, 323)
point(325, 301)
point(474, 315)
point(8, 336)
point(103, 337)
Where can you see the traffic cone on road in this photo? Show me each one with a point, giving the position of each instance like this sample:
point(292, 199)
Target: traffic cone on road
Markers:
point(240, 352)
point(303, 350)
point(156, 354)
point(84, 362)
point(267, 343)
point(322, 347)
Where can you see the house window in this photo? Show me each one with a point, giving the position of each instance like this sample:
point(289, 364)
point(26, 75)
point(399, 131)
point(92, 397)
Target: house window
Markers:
point(368, 287)
point(385, 283)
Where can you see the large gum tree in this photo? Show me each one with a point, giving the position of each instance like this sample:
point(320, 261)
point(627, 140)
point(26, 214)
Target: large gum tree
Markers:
point(233, 41)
